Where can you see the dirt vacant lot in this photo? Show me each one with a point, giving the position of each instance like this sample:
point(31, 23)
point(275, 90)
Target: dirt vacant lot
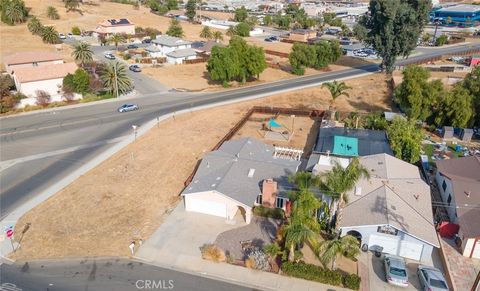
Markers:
point(128, 196)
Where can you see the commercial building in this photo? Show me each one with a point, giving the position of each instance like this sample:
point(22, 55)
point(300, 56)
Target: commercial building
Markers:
point(462, 14)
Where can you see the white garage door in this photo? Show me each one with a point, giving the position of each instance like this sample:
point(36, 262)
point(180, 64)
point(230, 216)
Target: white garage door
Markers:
point(410, 250)
point(389, 244)
point(206, 207)
point(476, 250)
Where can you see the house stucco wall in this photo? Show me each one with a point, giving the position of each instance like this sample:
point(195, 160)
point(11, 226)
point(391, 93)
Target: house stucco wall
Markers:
point(366, 231)
point(52, 87)
point(444, 193)
point(232, 206)
point(164, 50)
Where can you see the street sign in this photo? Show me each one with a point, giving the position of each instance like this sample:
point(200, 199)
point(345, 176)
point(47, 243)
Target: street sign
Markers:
point(9, 233)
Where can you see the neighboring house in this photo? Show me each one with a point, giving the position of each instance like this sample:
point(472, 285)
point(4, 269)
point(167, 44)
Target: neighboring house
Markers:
point(31, 60)
point(168, 44)
point(230, 179)
point(392, 210)
point(206, 48)
point(302, 34)
point(340, 144)
point(114, 26)
point(178, 56)
point(154, 51)
point(48, 78)
point(458, 181)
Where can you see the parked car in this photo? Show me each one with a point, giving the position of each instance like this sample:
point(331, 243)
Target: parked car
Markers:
point(132, 46)
point(431, 279)
point(147, 40)
point(272, 38)
point(135, 68)
point(61, 36)
point(127, 107)
point(70, 35)
point(109, 56)
point(396, 271)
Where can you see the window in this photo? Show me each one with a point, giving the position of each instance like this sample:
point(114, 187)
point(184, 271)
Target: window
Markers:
point(279, 203)
point(259, 199)
point(387, 229)
point(35, 64)
point(444, 185)
point(449, 199)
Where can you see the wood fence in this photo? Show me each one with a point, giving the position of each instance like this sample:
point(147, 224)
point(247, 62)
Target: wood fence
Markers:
point(195, 61)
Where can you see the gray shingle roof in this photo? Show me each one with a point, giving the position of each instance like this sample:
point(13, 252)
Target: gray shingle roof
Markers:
point(226, 170)
point(182, 53)
point(370, 142)
point(170, 41)
point(396, 195)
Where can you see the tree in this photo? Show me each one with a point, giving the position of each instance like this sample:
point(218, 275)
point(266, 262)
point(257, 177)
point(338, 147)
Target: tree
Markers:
point(472, 84)
point(317, 56)
point(206, 33)
point(458, 107)
point(13, 12)
point(50, 35)
point(52, 13)
point(405, 139)
point(241, 14)
point(115, 79)
point(304, 180)
point(231, 31)
point(252, 21)
point(394, 27)
point(175, 29)
point(272, 250)
point(326, 53)
point(336, 89)
point(346, 246)
point(35, 26)
point(172, 4)
point(116, 39)
point(282, 21)
point(72, 5)
point(302, 55)
point(76, 30)
point(81, 79)
point(441, 40)
point(217, 36)
point(360, 32)
point(267, 20)
point(68, 84)
point(223, 64)
point(191, 9)
point(82, 53)
point(242, 29)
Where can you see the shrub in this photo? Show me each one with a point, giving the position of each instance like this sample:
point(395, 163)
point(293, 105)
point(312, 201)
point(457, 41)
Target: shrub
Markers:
point(260, 260)
point(230, 259)
point(212, 253)
point(42, 98)
point(352, 281)
point(298, 71)
point(127, 57)
point(312, 272)
point(76, 30)
point(276, 213)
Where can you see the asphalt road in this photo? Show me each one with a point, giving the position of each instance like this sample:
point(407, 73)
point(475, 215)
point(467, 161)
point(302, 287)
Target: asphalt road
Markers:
point(102, 275)
point(30, 143)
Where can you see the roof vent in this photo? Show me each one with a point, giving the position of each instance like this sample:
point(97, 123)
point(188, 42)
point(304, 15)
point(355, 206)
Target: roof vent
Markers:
point(251, 172)
point(416, 196)
point(213, 185)
point(468, 193)
point(218, 178)
point(196, 181)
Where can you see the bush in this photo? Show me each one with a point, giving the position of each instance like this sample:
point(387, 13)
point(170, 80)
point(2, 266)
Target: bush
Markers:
point(312, 272)
point(298, 71)
point(212, 253)
point(76, 30)
point(250, 263)
point(42, 98)
point(352, 281)
point(127, 57)
point(260, 260)
point(276, 213)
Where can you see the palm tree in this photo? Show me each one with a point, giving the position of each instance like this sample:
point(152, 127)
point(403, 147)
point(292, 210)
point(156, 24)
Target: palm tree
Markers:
point(206, 33)
point(52, 13)
point(272, 251)
point(217, 36)
point(50, 35)
point(346, 246)
point(15, 12)
point(72, 4)
point(35, 26)
point(339, 181)
point(336, 89)
point(304, 180)
point(115, 79)
point(116, 39)
point(82, 53)
point(303, 225)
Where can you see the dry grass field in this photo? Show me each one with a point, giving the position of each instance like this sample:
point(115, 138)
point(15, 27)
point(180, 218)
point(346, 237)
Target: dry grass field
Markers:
point(127, 196)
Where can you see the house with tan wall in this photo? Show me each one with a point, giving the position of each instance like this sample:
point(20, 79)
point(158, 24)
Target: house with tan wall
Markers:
point(115, 26)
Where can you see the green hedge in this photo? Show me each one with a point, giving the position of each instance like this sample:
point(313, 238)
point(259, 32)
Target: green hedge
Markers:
point(319, 274)
point(352, 281)
point(269, 212)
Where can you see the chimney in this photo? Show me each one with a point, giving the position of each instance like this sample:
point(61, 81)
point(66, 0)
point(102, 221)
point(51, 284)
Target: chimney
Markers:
point(269, 193)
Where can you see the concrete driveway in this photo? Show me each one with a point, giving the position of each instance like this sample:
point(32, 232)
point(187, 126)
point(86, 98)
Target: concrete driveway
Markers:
point(178, 240)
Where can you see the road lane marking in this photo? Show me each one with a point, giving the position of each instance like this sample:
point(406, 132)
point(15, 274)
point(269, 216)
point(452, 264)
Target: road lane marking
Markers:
point(9, 163)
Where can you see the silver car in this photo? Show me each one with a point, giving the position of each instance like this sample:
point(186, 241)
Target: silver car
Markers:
point(396, 271)
point(431, 279)
point(127, 107)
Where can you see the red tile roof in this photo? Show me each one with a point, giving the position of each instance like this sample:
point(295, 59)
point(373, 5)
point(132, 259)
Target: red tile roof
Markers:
point(31, 57)
point(46, 72)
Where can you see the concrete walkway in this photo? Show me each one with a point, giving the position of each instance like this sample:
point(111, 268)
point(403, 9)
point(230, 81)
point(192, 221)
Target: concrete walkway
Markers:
point(176, 245)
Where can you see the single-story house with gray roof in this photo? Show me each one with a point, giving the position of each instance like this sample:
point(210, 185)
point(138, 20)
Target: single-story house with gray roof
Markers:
point(231, 178)
point(168, 44)
point(178, 56)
